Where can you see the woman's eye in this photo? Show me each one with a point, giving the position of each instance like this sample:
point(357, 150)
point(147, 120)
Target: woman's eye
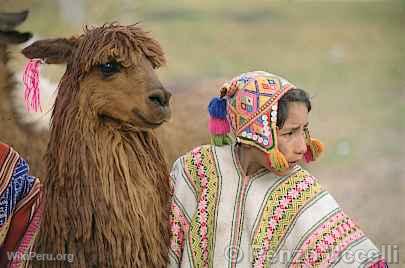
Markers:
point(110, 68)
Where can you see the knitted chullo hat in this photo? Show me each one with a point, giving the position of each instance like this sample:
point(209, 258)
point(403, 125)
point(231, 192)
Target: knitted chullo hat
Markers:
point(248, 106)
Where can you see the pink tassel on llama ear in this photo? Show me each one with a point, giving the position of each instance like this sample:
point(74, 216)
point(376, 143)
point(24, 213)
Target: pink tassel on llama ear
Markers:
point(31, 85)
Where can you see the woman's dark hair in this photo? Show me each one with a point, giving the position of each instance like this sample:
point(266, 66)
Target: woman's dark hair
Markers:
point(293, 95)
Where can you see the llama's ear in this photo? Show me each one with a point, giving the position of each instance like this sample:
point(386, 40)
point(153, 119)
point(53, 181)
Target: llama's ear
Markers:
point(52, 51)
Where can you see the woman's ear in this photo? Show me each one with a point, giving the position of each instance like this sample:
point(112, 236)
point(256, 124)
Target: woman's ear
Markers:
point(52, 51)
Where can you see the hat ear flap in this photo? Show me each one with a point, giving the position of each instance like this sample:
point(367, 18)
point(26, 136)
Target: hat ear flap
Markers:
point(218, 124)
point(314, 148)
point(275, 157)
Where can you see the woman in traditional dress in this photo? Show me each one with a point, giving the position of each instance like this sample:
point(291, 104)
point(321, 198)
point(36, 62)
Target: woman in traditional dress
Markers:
point(246, 201)
point(21, 207)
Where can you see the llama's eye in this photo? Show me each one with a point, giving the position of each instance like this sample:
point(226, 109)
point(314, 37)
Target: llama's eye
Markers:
point(110, 68)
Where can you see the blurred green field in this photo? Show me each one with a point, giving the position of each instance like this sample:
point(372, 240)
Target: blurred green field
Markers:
point(350, 55)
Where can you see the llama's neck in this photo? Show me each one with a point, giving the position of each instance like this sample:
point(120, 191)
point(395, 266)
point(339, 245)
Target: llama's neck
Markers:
point(120, 178)
point(84, 146)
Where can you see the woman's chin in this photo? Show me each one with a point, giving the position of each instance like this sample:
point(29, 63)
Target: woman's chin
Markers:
point(285, 171)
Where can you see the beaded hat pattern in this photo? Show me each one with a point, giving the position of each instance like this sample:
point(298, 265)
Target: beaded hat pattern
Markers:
point(248, 106)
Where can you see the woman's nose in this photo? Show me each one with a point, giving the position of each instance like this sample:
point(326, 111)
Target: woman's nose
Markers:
point(301, 145)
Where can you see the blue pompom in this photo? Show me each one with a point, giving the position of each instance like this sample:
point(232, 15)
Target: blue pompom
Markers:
point(217, 108)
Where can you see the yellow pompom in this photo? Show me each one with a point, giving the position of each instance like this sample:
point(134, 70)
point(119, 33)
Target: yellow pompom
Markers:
point(316, 148)
point(277, 160)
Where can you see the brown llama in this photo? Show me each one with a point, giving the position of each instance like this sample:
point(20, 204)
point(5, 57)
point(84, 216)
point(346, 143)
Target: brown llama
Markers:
point(29, 144)
point(107, 186)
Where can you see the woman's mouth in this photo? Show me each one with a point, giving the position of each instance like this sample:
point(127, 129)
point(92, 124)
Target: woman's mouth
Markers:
point(292, 163)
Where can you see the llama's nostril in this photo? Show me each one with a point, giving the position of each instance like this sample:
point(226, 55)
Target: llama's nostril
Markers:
point(168, 96)
point(158, 99)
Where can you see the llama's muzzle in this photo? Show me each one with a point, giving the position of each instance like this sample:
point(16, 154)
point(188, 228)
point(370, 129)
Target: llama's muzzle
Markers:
point(160, 97)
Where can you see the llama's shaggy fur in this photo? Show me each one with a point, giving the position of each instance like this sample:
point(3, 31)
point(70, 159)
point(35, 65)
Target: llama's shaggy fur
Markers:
point(107, 186)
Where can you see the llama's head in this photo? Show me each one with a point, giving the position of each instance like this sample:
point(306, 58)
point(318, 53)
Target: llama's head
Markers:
point(8, 21)
point(110, 75)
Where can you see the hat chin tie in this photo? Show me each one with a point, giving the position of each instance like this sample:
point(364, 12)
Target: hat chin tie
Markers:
point(277, 160)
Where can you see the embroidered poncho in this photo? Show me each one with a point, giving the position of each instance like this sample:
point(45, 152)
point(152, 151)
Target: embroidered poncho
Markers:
point(220, 218)
point(21, 206)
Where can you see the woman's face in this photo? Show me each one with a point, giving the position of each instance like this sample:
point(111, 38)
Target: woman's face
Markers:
point(291, 137)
